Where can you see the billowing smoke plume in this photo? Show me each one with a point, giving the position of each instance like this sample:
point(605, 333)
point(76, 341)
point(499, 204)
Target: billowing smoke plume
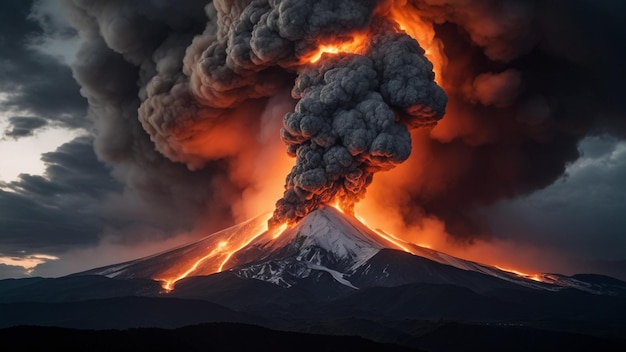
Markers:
point(346, 128)
point(189, 98)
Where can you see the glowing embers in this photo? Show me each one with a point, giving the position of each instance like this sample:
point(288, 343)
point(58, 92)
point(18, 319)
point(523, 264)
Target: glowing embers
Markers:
point(355, 44)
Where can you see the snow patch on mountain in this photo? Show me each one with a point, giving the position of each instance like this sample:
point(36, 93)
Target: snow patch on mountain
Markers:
point(326, 240)
point(339, 277)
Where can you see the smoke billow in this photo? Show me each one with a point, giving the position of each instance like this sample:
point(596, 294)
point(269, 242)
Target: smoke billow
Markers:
point(352, 120)
point(189, 97)
point(199, 87)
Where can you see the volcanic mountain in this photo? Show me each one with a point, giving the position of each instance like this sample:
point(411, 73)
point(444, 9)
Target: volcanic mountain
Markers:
point(328, 274)
point(332, 245)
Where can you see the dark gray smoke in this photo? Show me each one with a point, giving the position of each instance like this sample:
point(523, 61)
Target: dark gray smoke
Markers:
point(200, 76)
point(352, 120)
point(180, 94)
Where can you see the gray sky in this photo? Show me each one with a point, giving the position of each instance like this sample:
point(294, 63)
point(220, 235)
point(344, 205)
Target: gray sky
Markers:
point(84, 187)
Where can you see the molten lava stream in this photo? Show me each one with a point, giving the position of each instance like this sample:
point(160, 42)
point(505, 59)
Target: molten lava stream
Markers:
point(168, 284)
point(274, 234)
point(219, 256)
point(534, 277)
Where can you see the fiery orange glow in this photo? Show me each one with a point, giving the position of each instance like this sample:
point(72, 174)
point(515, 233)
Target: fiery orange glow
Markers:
point(274, 233)
point(396, 241)
point(219, 249)
point(337, 206)
point(409, 20)
point(168, 284)
point(355, 44)
point(225, 249)
point(219, 253)
point(279, 231)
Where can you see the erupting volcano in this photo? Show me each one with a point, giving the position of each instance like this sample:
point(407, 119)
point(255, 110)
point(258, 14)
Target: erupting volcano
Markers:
point(348, 167)
point(367, 74)
point(362, 82)
point(352, 119)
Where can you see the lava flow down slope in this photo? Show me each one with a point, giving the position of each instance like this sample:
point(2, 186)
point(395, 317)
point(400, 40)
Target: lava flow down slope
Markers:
point(328, 242)
point(329, 273)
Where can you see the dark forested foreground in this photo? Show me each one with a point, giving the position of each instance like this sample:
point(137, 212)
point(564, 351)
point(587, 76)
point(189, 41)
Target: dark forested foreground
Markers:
point(426, 336)
point(205, 337)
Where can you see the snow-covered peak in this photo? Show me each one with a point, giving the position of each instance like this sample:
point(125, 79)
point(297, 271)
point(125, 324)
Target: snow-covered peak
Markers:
point(343, 236)
point(326, 240)
point(340, 237)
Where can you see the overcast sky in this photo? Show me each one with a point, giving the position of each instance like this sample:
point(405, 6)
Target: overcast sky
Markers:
point(73, 190)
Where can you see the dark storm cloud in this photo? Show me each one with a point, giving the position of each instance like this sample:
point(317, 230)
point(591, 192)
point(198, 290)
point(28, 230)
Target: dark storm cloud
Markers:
point(135, 51)
point(60, 209)
point(527, 81)
point(201, 81)
point(582, 213)
point(34, 82)
point(23, 126)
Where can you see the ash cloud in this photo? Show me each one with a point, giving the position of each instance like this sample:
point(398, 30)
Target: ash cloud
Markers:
point(526, 81)
point(352, 120)
point(176, 91)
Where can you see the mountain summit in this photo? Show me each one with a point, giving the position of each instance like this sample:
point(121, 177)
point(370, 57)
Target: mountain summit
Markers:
point(326, 240)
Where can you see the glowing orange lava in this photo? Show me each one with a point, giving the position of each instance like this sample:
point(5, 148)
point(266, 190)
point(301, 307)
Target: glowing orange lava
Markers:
point(337, 206)
point(275, 233)
point(219, 249)
point(534, 277)
point(225, 248)
point(279, 231)
point(168, 284)
point(219, 254)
